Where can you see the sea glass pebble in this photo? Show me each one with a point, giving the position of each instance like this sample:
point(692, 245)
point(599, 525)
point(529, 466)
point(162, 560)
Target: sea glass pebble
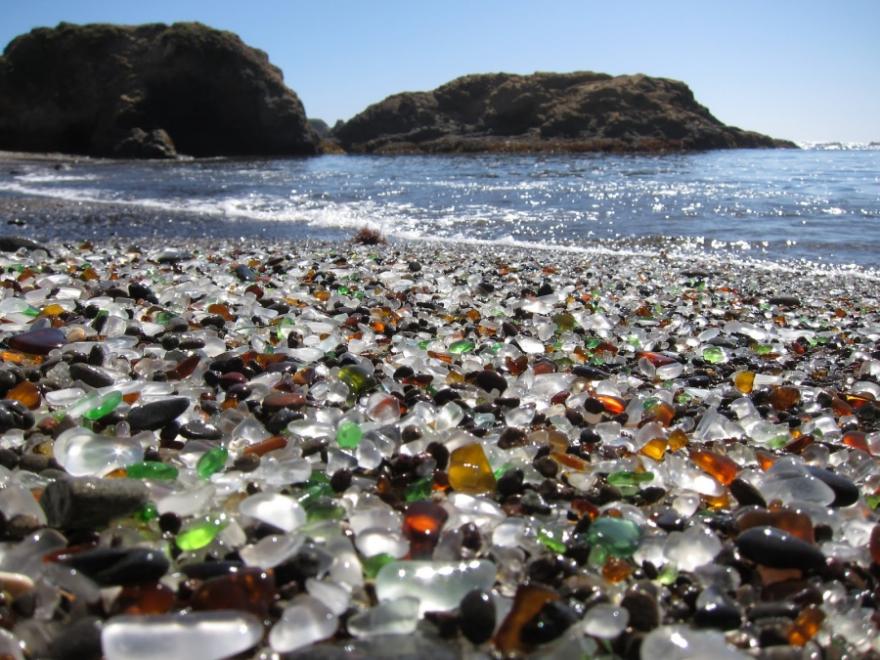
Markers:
point(196, 636)
point(439, 586)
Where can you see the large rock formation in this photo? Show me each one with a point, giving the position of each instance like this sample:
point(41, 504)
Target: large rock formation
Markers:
point(144, 91)
point(544, 112)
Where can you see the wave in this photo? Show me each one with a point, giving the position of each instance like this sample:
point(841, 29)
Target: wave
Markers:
point(840, 146)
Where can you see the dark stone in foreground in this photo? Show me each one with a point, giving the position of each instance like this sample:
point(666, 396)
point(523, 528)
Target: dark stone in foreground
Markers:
point(544, 112)
point(477, 616)
point(778, 549)
point(146, 91)
point(91, 503)
point(156, 414)
point(80, 640)
point(119, 566)
point(845, 491)
point(14, 243)
point(38, 342)
point(13, 415)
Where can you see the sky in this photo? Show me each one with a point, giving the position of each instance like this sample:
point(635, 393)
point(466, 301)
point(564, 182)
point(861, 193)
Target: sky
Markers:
point(806, 70)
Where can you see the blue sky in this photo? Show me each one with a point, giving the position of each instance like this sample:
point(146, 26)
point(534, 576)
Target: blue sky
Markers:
point(804, 70)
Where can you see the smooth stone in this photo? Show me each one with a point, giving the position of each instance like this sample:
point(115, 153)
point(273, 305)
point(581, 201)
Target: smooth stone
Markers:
point(83, 453)
point(395, 617)
point(197, 429)
point(275, 401)
point(15, 243)
point(489, 380)
point(156, 414)
point(778, 549)
point(93, 376)
point(80, 640)
point(439, 585)
point(15, 584)
point(644, 612)
point(278, 510)
point(680, 642)
point(477, 616)
point(38, 342)
point(209, 569)
point(305, 621)
point(14, 415)
point(118, 566)
point(845, 491)
point(785, 301)
point(89, 503)
point(194, 636)
point(605, 621)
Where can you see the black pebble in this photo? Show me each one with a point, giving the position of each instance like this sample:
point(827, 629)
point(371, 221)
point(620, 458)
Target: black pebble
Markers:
point(91, 503)
point(197, 429)
point(156, 414)
point(845, 491)
point(489, 380)
point(778, 549)
point(13, 415)
point(90, 375)
point(80, 640)
point(644, 615)
point(746, 494)
point(553, 620)
point(477, 616)
point(118, 566)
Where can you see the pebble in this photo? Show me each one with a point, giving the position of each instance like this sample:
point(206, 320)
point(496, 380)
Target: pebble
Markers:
point(195, 636)
point(91, 503)
point(439, 586)
point(477, 616)
point(156, 414)
point(778, 549)
point(117, 566)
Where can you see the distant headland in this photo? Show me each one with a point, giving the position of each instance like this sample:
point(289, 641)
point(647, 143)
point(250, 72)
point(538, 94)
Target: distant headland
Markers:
point(156, 91)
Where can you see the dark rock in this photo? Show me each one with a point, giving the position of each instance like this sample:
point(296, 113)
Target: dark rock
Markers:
point(93, 376)
point(80, 640)
point(785, 301)
point(15, 243)
point(477, 616)
point(38, 342)
point(119, 566)
point(88, 503)
point(778, 549)
point(644, 613)
point(723, 616)
point(590, 373)
point(197, 429)
point(14, 415)
point(210, 569)
point(156, 414)
point(139, 291)
point(488, 380)
point(548, 624)
point(746, 494)
point(139, 143)
point(845, 491)
point(141, 91)
point(577, 112)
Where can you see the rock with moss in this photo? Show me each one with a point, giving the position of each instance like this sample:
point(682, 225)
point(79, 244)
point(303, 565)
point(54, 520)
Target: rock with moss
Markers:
point(544, 112)
point(146, 91)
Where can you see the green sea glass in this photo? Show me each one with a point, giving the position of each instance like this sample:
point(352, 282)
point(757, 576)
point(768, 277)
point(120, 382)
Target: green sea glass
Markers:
point(211, 462)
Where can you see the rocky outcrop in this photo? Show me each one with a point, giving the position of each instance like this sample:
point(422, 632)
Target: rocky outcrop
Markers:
point(544, 112)
point(146, 91)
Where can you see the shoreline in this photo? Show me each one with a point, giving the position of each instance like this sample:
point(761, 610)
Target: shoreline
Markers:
point(580, 428)
point(64, 219)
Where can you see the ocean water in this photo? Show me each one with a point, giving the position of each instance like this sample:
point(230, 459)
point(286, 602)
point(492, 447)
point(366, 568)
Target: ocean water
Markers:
point(820, 204)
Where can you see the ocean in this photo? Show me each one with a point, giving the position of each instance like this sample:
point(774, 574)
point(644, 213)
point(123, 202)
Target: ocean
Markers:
point(820, 204)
